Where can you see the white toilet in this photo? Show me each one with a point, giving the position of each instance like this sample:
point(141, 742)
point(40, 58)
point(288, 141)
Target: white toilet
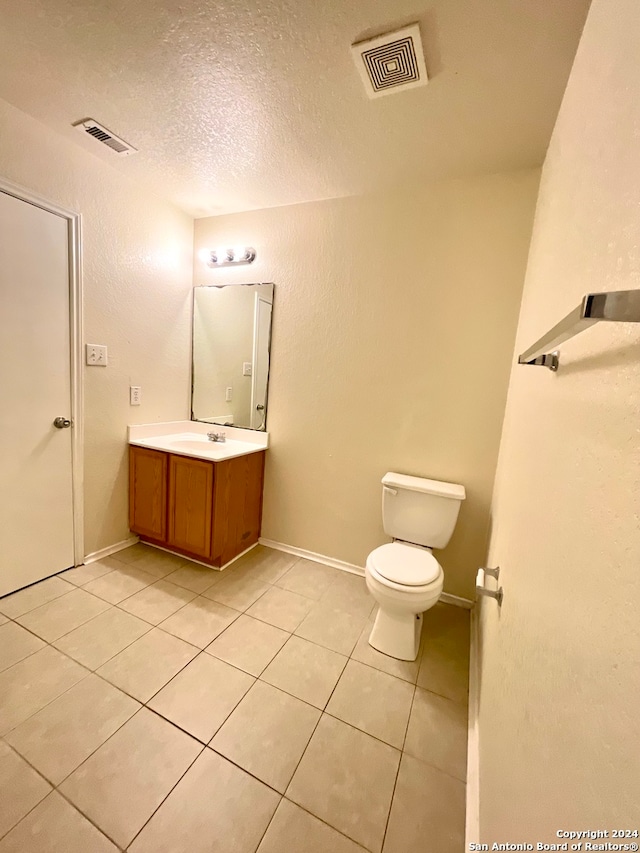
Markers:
point(404, 577)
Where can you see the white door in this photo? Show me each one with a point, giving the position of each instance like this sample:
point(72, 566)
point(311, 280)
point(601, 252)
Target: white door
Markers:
point(36, 492)
point(260, 368)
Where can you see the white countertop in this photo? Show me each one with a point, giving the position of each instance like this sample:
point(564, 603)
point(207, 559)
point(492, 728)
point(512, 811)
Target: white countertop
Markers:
point(189, 438)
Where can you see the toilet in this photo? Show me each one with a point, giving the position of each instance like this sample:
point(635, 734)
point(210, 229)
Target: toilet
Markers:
point(403, 576)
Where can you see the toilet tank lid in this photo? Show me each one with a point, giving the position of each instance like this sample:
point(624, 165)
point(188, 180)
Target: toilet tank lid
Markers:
point(421, 484)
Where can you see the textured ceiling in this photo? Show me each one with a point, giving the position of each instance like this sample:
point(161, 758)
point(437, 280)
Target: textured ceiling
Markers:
point(240, 105)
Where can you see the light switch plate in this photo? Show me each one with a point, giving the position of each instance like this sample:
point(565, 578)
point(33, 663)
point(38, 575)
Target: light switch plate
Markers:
point(96, 355)
point(246, 368)
point(228, 394)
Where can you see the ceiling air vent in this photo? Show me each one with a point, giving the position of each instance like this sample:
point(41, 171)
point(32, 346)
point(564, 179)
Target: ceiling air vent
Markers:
point(391, 62)
point(106, 137)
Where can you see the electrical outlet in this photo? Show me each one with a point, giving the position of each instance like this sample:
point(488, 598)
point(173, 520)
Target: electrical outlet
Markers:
point(96, 355)
point(228, 394)
point(135, 395)
point(246, 368)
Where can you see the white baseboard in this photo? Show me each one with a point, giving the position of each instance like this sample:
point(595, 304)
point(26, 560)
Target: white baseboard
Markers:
point(110, 549)
point(446, 597)
point(200, 562)
point(456, 600)
point(472, 827)
point(311, 555)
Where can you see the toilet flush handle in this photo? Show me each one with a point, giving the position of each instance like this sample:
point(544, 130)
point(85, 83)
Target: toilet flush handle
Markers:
point(390, 490)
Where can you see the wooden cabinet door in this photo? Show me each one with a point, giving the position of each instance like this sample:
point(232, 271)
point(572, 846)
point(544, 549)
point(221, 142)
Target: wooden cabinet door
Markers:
point(190, 504)
point(237, 506)
point(148, 492)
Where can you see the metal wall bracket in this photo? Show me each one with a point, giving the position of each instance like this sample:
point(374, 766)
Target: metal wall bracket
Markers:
point(480, 581)
point(551, 360)
point(618, 306)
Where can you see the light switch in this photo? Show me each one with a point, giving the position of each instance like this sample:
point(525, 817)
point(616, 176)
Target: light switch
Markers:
point(96, 355)
point(246, 368)
point(228, 394)
point(135, 395)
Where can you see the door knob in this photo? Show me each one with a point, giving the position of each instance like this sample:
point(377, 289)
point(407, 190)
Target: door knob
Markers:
point(62, 423)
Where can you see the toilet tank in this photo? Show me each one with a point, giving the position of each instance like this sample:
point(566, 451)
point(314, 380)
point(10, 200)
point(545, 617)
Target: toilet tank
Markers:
point(420, 511)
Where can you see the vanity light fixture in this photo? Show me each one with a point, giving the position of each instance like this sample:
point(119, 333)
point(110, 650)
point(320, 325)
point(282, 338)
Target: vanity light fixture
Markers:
point(222, 257)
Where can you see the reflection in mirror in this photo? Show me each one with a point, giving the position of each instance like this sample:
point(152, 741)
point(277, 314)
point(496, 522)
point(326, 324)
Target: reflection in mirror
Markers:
point(231, 342)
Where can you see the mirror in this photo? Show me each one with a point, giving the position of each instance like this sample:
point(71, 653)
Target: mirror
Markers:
point(231, 344)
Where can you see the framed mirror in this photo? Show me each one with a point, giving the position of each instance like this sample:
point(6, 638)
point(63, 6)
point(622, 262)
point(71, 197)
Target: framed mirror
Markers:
point(231, 351)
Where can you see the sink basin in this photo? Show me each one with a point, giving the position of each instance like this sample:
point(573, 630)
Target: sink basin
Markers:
point(194, 444)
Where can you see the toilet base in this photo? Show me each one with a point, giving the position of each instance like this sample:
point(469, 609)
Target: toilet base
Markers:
point(397, 634)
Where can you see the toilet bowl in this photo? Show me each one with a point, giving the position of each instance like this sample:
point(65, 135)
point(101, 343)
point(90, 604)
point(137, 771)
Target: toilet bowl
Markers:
point(405, 580)
point(403, 576)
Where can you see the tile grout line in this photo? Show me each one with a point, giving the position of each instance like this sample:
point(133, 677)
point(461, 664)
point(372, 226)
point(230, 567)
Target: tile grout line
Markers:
point(395, 782)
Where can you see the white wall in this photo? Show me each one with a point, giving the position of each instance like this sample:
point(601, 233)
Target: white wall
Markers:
point(137, 281)
point(559, 723)
point(393, 325)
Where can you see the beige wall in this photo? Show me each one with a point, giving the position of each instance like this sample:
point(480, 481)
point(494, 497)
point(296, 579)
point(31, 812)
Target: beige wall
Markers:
point(393, 326)
point(559, 723)
point(137, 280)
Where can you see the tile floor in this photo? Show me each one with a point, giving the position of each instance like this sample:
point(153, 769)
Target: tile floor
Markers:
point(153, 705)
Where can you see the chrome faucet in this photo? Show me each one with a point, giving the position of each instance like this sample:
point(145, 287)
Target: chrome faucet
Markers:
point(217, 436)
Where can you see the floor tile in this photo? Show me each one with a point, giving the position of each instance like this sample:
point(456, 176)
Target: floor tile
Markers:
point(346, 778)
point(267, 734)
point(281, 608)
point(16, 644)
point(202, 695)
point(3, 619)
point(28, 599)
point(55, 826)
point(58, 617)
point(428, 811)
point(160, 563)
point(134, 553)
point(200, 621)
point(437, 733)
point(264, 564)
point(194, 577)
point(64, 733)
point(100, 639)
point(120, 786)
point(363, 652)
point(349, 592)
point(308, 578)
point(156, 603)
point(292, 830)
point(444, 667)
point(248, 644)
point(305, 670)
point(238, 592)
point(215, 808)
point(90, 571)
point(29, 685)
point(333, 629)
point(147, 665)
point(373, 701)
point(21, 788)
point(119, 584)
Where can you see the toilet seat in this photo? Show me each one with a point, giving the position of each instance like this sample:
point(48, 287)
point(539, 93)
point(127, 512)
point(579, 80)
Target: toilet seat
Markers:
point(404, 565)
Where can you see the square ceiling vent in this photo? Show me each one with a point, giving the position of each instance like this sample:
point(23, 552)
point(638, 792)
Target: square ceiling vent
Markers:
point(392, 62)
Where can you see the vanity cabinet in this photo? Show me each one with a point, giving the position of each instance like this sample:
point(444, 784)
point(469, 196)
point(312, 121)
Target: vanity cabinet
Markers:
point(211, 511)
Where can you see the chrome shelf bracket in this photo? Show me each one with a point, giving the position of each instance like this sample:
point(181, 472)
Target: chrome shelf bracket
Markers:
point(618, 306)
